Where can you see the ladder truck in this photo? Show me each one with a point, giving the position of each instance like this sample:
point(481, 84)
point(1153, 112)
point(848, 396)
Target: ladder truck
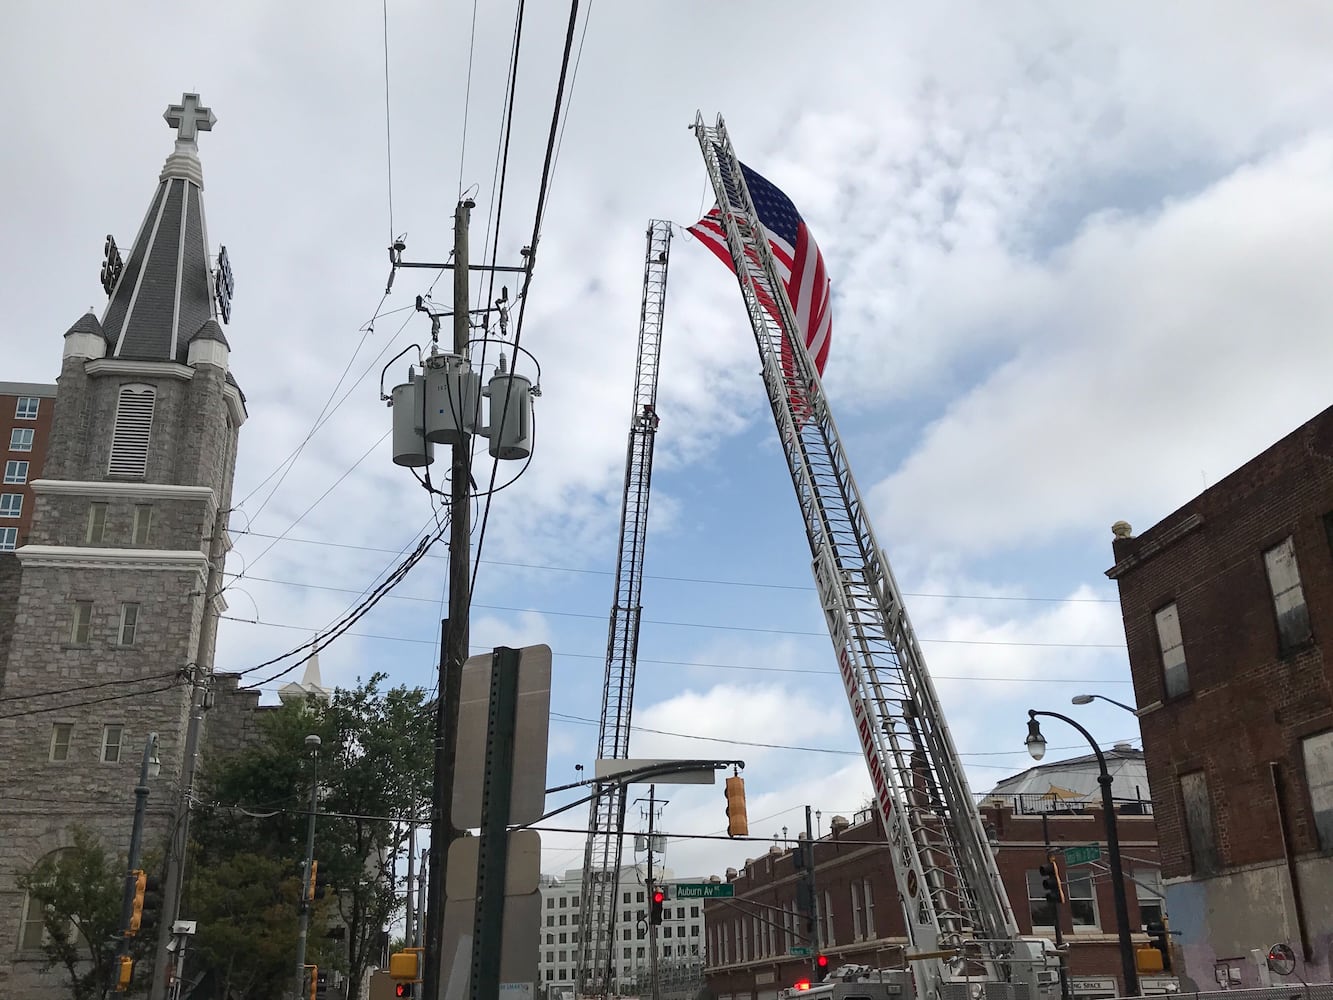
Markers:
point(606, 821)
point(964, 940)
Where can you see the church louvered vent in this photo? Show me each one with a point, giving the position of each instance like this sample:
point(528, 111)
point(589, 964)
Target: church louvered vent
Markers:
point(134, 422)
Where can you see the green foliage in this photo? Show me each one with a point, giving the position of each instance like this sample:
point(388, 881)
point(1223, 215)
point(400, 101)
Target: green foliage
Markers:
point(374, 764)
point(81, 890)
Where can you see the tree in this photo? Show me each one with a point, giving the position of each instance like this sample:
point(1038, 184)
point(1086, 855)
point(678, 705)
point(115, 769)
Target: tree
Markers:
point(246, 935)
point(80, 891)
point(374, 769)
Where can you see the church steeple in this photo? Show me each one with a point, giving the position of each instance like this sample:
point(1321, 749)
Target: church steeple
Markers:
point(165, 293)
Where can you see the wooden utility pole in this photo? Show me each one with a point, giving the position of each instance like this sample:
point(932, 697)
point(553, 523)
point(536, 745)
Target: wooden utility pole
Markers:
point(453, 641)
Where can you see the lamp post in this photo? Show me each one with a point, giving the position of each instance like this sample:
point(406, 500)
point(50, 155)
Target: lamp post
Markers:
point(312, 743)
point(150, 768)
point(1036, 746)
point(1086, 699)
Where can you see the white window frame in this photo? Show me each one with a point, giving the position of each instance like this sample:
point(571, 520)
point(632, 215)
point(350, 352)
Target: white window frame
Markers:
point(1317, 753)
point(28, 920)
point(59, 729)
point(1175, 669)
point(1284, 583)
point(96, 533)
point(857, 931)
point(129, 623)
point(1148, 889)
point(81, 623)
point(1037, 899)
point(11, 504)
point(16, 471)
point(142, 528)
point(9, 539)
point(112, 748)
point(1081, 879)
point(870, 908)
point(22, 412)
point(828, 919)
point(20, 439)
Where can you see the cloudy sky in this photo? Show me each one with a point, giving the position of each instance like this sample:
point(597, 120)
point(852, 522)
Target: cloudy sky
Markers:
point(1080, 260)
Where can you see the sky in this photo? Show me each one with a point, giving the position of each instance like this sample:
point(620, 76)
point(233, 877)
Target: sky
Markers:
point(1079, 259)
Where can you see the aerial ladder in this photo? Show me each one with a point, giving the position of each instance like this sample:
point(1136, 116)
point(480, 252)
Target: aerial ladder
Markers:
point(960, 925)
point(606, 821)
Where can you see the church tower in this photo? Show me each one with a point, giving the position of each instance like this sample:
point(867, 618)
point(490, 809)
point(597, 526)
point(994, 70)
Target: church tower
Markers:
point(111, 631)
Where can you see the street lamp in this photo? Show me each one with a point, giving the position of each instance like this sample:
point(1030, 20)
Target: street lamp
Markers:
point(150, 768)
point(1086, 699)
point(312, 743)
point(1036, 746)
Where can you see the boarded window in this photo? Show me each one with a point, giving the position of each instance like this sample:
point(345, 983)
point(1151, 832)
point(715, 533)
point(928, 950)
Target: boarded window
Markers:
point(134, 422)
point(1318, 751)
point(1175, 675)
point(1284, 579)
point(1199, 821)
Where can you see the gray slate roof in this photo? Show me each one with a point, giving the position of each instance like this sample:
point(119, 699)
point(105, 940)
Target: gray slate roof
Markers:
point(152, 314)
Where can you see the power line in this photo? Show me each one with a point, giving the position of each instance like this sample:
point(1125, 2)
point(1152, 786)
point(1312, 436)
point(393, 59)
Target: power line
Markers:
point(86, 702)
point(115, 682)
point(744, 628)
point(710, 581)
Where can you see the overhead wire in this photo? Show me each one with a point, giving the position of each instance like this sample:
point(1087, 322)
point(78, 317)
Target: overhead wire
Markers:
point(467, 97)
point(113, 682)
point(90, 701)
point(542, 192)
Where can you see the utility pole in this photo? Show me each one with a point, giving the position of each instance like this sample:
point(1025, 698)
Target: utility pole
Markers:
point(146, 770)
point(312, 743)
point(453, 639)
point(1065, 992)
point(814, 896)
point(201, 680)
point(409, 931)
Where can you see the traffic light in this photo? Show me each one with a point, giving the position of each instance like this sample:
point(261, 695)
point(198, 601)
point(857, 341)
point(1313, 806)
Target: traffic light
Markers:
point(124, 972)
point(136, 907)
point(1051, 884)
point(147, 900)
point(821, 968)
point(1160, 938)
point(406, 968)
point(805, 905)
point(655, 913)
point(318, 883)
point(737, 823)
point(402, 990)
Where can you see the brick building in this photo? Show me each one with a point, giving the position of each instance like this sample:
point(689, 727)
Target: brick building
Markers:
point(1228, 612)
point(749, 938)
point(104, 610)
point(25, 430)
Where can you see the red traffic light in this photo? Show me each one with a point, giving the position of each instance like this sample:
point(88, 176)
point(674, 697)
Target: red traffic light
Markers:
point(659, 896)
point(402, 989)
point(822, 962)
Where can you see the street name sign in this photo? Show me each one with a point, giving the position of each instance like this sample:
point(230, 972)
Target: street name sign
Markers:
point(1082, 855)
point(704, 890)
point(800, 950)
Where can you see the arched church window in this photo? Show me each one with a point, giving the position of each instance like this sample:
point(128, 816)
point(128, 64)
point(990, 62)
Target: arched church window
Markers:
point(129, 439)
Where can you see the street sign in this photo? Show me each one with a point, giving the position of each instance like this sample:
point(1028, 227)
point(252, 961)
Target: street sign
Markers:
point(1082, 855)
point(704, 890)
point(800, 950)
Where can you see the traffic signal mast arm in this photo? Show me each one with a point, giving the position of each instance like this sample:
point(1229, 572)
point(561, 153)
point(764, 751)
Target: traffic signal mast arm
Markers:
point(946, 874)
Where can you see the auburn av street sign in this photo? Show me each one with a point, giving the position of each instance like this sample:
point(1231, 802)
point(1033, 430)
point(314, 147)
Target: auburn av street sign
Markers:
point(704, 890)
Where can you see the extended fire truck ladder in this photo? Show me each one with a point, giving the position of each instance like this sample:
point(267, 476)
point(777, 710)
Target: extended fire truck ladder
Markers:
point(606, 822)
point(947, 878)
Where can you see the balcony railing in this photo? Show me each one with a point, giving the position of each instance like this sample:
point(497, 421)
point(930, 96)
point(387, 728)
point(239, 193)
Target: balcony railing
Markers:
point(1034, 804)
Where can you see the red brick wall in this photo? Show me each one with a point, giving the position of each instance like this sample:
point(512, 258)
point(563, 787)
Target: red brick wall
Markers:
point(1248, 703)
point(36, 458)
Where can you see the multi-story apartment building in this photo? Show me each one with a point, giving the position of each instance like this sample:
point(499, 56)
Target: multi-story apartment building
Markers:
point(755, 941)
point(26, 409)
point(1228, 612)
point(680, 936)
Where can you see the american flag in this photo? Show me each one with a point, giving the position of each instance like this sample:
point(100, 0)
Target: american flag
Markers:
point(800, 266)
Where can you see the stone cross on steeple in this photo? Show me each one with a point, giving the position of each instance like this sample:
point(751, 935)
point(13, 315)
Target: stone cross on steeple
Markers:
point(189, 118)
